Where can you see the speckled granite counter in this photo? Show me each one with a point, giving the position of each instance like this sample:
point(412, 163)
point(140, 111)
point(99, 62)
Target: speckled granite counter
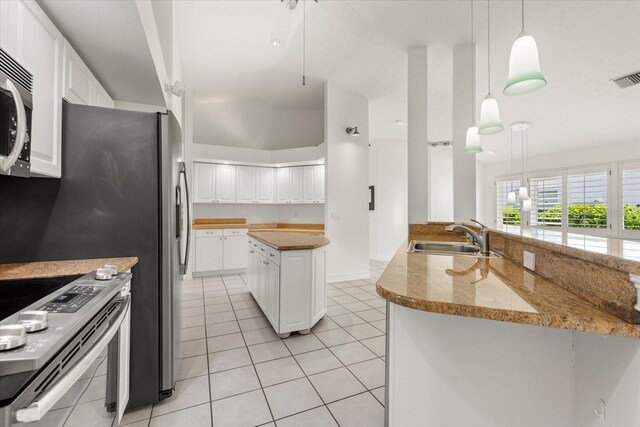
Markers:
point(490, 288)
point(30, 270)
point(285, 241)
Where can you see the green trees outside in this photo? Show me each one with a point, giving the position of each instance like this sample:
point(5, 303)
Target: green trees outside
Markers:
point(580, 216)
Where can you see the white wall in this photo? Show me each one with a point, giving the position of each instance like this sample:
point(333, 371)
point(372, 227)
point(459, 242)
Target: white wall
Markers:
point(441, 183)
point(588, 156)
point(256, 125)
point(388, 173)
point(347, 223)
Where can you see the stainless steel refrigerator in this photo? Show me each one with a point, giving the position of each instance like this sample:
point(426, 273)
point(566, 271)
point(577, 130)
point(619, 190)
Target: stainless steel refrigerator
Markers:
point(123, 192)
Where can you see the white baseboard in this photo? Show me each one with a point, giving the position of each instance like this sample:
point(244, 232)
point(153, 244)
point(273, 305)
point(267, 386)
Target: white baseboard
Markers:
point(198, 274)
point(349, 276)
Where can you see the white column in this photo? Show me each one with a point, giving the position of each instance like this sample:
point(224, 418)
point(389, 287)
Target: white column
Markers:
point(464, 164)
point(417, 136)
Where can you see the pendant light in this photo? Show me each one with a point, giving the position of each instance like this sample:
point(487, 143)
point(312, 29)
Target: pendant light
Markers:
point(526, 205)
point(524, 65)
point(472, 142)
point(523, 191)
point(511, 197)
point(489, 112)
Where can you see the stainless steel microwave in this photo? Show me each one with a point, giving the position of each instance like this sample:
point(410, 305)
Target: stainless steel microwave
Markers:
point(16, 108)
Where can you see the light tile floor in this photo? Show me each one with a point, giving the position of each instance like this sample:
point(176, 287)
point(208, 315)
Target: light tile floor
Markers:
point(236, 372)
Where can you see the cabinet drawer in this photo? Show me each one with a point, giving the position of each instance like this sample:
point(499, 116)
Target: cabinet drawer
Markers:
point(229, 232)
point(209, 233)
point(263, 250)
point(274, 256)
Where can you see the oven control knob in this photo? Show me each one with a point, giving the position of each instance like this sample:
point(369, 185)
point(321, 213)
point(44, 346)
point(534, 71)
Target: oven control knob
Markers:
point(12, 336)
point(104, 274)
point(112, 268)
point(33, 321)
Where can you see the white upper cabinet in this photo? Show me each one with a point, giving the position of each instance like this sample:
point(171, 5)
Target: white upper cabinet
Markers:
point(78, 81)
point(79, 84)
point(314, 184)
point(264, 185)
point(296, 179)
point(225, 184)
point(283, 185)
point(222, 183)
point(101, 97)
point(289, 185)
point(204, 177)
point(246, 182)
point(28, 35)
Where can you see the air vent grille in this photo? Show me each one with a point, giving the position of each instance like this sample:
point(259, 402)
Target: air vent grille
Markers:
point(628, 80)
point(15, 71)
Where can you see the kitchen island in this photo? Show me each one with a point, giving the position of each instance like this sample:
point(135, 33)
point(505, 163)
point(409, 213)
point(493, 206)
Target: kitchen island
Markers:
point(287, 277)
point(485, 342)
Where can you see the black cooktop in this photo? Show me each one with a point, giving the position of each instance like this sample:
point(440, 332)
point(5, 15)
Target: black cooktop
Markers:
point(18, 294)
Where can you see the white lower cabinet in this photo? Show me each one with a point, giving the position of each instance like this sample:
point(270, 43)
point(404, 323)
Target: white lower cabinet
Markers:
point(218, 250)
point(289, 286)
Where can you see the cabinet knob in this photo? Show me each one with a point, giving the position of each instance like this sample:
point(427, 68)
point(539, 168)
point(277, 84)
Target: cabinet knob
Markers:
point(265, 262)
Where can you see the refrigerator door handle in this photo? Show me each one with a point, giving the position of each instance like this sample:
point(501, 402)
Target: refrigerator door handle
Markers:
point(183, 172)
point(178, 206)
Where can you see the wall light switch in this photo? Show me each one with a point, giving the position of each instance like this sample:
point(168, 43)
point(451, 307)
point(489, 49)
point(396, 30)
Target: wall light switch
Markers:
point(335, 215)
point(529, 260)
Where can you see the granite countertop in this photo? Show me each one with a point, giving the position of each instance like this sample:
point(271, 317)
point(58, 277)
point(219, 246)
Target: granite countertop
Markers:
point(32, 270)
point(490, 288)
point(289, 241)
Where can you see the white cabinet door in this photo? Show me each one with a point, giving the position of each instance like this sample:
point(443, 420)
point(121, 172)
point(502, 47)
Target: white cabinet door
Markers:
point(296, 186)
point(251, 270)
point(295, 287)
point(309, 181)
point(318, 183)
point(235, 252)
point(318, 284)
point(264, 185)
point(263, 283)
point(101, 97)
point(283, 185)
point(246, 184)
point(225, 183)
point(314, 184)
point(209, 252)
point(273, 294)
point(78, 82)
point(38, 47)
point(204, 179)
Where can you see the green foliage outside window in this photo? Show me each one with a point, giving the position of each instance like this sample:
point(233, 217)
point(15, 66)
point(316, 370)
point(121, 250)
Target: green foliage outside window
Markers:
point(580, 216)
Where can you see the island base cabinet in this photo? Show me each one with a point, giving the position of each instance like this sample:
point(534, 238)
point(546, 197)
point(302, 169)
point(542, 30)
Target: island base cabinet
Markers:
point(445, 370)
point(290, 288)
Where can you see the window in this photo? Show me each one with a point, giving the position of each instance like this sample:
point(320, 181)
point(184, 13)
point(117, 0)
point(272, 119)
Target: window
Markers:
point(631, 198)
point(587, 200)
point(546, 201)
point(508, 216)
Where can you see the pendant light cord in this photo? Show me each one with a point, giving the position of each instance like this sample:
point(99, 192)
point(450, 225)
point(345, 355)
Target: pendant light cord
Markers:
point(489, 45)
point(304, 42)
point(473, 72)
point(522, 15)
point(522, 149)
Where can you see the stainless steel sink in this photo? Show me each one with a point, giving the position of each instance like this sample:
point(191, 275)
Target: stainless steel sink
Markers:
point(445, 248)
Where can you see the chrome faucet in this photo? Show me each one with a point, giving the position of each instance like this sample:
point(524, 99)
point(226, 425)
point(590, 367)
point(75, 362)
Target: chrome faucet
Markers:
point(481, 239)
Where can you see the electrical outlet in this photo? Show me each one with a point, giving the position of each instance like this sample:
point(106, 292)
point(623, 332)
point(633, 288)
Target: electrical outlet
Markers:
point(335, 215)
point(529, 260)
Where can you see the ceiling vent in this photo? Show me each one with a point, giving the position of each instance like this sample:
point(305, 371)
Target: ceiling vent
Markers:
point(627, 81)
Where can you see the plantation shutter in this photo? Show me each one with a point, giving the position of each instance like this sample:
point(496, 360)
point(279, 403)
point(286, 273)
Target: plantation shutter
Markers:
point(587, 200)
point(546, 201)
point(631, 198)
point(506, 215)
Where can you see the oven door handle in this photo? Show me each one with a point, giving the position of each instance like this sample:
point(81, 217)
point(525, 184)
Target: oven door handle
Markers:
point(21, 129)
point(37, 410)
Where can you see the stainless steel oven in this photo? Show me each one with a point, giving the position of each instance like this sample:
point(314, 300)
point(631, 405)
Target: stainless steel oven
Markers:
point(81, 381)
point(16, 108)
